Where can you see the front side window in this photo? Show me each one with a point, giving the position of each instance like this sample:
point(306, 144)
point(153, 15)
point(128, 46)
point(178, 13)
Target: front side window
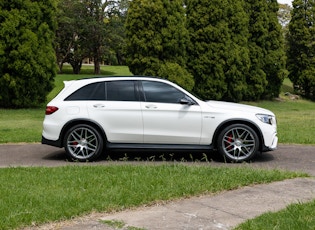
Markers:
point(161, 92)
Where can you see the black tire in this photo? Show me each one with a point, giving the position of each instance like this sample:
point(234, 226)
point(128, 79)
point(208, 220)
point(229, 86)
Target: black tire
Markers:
point(83, 143)
point(238, 143)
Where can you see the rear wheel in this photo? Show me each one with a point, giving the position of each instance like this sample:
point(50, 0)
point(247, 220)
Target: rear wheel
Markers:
point(238, 142)
point(83, 143)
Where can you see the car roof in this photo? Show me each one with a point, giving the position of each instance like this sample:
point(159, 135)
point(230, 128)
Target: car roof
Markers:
point(109, 78)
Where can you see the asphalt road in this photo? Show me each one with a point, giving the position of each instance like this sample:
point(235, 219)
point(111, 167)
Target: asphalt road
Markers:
point(290, 157)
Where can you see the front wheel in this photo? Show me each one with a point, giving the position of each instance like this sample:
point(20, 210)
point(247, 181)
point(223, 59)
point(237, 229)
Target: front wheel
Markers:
point(238, 142)
point(83, 143)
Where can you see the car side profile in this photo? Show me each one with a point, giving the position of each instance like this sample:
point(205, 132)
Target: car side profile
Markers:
point(90, 116)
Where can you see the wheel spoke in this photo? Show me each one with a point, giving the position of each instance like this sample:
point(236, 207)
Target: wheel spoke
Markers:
point(236, 131)
point(74, 137)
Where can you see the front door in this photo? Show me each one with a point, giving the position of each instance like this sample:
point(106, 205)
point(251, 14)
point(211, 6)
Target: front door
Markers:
point(166, 120)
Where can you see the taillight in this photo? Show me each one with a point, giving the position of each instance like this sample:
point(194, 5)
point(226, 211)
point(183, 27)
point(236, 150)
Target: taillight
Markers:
point(51, 110)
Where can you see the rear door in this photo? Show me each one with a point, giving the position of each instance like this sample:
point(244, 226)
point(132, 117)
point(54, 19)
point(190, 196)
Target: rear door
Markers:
point(120, 112)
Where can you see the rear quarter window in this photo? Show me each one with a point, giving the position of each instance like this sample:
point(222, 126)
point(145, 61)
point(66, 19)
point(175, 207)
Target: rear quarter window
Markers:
point(93, 91)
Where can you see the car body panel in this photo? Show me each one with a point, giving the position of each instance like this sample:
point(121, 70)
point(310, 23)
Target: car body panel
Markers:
point(171, 123)
point(122, 121)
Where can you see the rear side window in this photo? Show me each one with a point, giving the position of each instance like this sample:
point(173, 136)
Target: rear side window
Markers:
point(94, 91)
point(121, 91)
point(111, 91)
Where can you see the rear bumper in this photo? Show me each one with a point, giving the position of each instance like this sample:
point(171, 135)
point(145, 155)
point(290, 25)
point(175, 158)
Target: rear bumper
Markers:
point(56, 143)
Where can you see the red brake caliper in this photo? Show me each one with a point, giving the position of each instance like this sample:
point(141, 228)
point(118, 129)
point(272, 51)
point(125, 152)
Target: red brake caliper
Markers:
point(229, 141)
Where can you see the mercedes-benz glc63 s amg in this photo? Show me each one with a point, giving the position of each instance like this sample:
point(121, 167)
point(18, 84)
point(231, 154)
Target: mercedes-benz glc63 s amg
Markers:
point(90, 116)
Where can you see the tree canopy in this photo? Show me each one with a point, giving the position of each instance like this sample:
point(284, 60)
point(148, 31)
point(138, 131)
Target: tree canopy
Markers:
point(217, 52)
point(236, 49)
point(221, 49)
point(156, 40)
point(301, 47)
point(90, 29)
point(27, 57)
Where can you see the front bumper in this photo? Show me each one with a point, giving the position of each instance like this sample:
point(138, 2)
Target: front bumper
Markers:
point(273, 145)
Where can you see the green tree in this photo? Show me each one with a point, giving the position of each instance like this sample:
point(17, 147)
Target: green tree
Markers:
point(27, 57)
point(258, 23)
point(86, 29)
point(284, 17)
point(71, 34)
point(275, 59)
point(267, 54)
point(95, 15)
point(156, 39)
point(115, 45)
point(301, 47)
point(218, 54)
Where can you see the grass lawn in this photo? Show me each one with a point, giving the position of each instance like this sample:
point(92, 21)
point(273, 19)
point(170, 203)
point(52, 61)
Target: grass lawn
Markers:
point(296, 118)
point(36, 195)
point(295, 217)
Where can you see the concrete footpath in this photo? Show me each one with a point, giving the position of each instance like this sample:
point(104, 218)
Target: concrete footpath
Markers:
point(222, 211)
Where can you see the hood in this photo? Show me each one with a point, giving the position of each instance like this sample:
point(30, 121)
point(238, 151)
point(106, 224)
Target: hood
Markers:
point(238, 107)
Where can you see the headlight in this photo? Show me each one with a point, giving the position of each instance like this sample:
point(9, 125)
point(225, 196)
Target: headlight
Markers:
point(268, 119)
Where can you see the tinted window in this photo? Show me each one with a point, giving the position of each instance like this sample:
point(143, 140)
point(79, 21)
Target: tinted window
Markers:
point(121, 91)
point(161, 92)
point(94, 91)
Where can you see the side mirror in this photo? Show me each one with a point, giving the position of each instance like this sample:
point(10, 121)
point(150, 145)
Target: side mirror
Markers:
point(186, 101)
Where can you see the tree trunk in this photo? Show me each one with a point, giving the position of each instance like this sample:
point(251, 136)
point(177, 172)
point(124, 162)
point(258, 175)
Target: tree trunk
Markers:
point(60, 65)
point(97, 68)
point(76, 66)
point(97, 59)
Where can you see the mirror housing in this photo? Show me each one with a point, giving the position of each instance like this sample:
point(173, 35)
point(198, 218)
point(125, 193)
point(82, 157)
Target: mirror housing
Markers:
point(187, 101)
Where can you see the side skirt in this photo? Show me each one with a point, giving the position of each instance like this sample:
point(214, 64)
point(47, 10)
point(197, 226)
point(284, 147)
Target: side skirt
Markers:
point(157, 147)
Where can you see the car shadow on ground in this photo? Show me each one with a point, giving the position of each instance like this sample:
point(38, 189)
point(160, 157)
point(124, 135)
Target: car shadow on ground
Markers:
point(59, 155)
point(264, 157)
point(160, 156)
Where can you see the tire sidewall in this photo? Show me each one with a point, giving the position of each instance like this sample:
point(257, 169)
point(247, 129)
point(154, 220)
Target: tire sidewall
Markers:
point(227, 129)
point(98, 151)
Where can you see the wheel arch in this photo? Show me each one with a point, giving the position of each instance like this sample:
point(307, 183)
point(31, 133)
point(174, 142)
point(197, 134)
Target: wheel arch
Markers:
point(74, 122)
point(227, 123)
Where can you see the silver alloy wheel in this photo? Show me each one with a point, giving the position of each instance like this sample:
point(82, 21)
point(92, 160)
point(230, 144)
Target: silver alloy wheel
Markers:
point(239, 143)
point(82, 143)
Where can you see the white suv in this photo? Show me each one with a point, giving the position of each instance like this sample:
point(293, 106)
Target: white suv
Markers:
point(91, 115)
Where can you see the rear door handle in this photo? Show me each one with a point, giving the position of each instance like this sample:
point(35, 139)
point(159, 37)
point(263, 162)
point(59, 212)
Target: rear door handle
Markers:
point(99, 106)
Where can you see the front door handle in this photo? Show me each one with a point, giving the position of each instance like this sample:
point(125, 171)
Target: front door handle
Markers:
point(151, 106)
